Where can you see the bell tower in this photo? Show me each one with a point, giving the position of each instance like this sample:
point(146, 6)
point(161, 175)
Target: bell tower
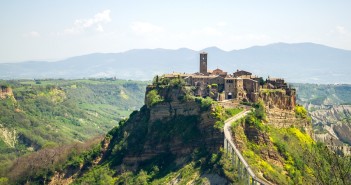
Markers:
point(203, 63)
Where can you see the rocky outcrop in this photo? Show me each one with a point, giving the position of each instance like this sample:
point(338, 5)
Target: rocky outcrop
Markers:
point(169, 110)
point(175, 128)
point(176, 133)
point(278, 98)
point(279, 107)
point(5, 92)
point(283, 118)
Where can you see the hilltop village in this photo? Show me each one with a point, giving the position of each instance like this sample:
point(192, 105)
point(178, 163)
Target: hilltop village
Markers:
point(220, 85)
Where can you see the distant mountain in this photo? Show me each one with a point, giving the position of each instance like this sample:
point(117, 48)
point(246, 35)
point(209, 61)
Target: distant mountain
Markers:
point(302, 62)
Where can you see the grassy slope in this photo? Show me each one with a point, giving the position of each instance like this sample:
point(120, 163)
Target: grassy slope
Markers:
point(56, 112)
point(290, 156)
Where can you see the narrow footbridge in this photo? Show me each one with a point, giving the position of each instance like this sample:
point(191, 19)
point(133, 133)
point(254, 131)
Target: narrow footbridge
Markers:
point(244, 171)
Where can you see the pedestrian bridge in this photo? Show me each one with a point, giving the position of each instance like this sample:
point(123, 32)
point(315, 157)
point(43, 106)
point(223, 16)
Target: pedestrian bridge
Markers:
point(245, 172)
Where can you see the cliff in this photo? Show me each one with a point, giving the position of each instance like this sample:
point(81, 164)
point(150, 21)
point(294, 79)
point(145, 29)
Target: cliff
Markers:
point(278, 98)
point(174, 127)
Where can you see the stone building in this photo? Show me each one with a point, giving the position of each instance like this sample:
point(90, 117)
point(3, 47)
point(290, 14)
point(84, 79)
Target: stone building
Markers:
point(277, 83)
point(220, 85)
point(203, 63)
point(242, 74)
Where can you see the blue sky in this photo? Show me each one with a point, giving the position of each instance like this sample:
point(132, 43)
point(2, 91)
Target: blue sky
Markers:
point(52, 30)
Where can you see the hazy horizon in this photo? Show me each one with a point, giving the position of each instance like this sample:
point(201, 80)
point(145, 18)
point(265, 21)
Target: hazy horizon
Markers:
point(83, 54)
point(42, 30)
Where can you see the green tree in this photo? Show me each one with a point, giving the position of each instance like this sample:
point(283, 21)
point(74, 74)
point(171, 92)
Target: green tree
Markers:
point(153, 98)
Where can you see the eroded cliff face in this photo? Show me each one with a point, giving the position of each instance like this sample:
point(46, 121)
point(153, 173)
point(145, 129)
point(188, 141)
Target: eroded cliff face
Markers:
point(169, 110)
point(283, 118)
point(279, 107)
point(332, 123)
point(278, 99)
point(175, 128)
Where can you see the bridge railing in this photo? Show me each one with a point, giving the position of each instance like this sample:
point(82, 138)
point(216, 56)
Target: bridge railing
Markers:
point(244, 170)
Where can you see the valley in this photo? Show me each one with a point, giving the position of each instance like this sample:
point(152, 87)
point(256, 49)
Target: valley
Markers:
point(49, 113)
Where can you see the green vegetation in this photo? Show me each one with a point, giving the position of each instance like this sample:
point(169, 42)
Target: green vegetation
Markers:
point(288, 155)
point(222, 114)
point(136, 132)
point(57, 112)
point(259, 112)
point(205, 103)
point(215, 86)
point(177, 82)
point(38, 167)
point(200, 164)
point(167, 82)
point(319, 94)
point(268, 91)
point(233, 111)
point(301, 112)
point(153, 98)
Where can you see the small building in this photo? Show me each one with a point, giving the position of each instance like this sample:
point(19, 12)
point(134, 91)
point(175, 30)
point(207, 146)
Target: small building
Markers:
point(218, 72)
point(242, 74)
point(277, 83)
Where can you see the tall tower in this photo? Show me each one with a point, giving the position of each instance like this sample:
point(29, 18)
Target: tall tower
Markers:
point(203, 63)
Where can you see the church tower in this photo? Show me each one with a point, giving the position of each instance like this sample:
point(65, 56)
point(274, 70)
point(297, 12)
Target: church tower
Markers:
point(203, 63)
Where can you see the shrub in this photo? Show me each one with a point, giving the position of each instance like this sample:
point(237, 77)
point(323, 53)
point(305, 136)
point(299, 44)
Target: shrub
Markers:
point(153, 98)
point(300, 112)
point(177, 82)
point(219, 124)
point(260, 111)
point(205, 103)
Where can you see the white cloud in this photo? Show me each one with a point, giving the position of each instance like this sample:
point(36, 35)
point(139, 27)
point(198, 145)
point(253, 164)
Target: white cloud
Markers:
point(145, 28)
point(80, 25)
point(32, 34)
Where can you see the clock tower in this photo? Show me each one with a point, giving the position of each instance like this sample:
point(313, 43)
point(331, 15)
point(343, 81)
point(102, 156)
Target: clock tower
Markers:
point(203, 63)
